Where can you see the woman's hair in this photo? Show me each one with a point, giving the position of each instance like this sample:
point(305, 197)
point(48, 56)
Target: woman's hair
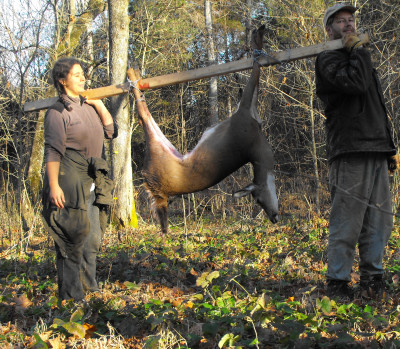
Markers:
point(61, 69)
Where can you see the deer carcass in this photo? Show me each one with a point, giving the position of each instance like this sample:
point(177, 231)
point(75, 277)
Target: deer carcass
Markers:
point(222, 150)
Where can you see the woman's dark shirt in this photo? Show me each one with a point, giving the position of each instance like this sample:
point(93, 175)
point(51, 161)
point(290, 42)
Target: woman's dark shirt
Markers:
point(79, 129)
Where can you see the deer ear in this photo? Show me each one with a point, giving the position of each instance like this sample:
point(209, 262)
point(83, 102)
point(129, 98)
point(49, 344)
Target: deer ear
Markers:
point(243, 192)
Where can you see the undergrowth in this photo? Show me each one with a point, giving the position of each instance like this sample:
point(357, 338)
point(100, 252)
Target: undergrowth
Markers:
point(224, 284)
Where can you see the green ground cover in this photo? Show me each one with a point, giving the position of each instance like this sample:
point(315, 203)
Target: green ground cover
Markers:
point(215, 285)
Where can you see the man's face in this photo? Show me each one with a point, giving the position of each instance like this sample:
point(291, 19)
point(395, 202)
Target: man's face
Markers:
point(343, 24)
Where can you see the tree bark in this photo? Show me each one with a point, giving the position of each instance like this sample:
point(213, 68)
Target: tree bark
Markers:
point(314, 151)
point(36, 159)
point(213, 91)
point(249, 5)
point(124, 212)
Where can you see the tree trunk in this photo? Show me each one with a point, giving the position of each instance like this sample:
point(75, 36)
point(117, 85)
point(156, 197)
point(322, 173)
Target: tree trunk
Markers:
point(314, 153)
point(90, 53)
point(124, 211)
point(71, 10)
point(213, 92)
point(36, 159)
point(249, 5)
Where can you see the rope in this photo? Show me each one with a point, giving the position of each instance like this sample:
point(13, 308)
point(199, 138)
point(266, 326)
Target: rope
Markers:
point(133, 85)
point(258, 53)
point(284, 64)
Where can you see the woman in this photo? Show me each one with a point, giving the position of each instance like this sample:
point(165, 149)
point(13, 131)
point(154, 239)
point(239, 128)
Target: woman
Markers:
point(76, 190)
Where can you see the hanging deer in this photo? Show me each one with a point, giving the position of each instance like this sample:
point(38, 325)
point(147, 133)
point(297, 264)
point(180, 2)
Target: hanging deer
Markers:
point(221, 150)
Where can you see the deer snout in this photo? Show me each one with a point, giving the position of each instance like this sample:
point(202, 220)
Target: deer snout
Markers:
point(267, 198)
point(265, 195)
point(275, 218)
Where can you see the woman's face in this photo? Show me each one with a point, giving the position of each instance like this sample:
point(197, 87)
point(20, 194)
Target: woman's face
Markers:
point(74, 83)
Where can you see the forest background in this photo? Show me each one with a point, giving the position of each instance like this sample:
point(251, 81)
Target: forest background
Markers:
point(162, 37)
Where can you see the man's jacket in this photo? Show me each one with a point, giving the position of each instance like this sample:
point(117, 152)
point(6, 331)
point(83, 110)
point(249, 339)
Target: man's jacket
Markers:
point(356, 118)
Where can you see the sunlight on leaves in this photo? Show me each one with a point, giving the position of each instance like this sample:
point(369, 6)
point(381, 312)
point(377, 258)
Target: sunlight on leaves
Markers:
point(325, 305)
point(152, 342)
point(206, 278)
point(228, 339)
point(131, 286)
point(22, 303)
point(75, 329)
point(77, 315)
point(56, 343)
point(89, 330)
point(39, 344)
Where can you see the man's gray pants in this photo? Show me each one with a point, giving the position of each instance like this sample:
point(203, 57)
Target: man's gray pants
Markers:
point(360, 213)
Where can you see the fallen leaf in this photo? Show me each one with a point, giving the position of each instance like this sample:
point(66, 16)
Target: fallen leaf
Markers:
point(90, 329)
point(46, 335)
point(194, 272)
point(37, 343)
point(56, 343)
point(22, 303)
point(152, 342)
point(189, 304)
point(77, 315)
point(75, 329)
point(176, 303)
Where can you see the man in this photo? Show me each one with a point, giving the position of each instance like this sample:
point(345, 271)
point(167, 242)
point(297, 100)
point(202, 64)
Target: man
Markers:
point(359, 145)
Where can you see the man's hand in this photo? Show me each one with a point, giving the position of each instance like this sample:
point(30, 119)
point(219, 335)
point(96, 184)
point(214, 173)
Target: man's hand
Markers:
point(351, 41)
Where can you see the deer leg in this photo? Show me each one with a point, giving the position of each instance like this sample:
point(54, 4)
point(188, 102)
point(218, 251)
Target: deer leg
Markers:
point(160, 207)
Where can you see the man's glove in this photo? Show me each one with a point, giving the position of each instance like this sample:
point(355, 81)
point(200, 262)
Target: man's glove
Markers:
point(393, 163)
point(351, 41)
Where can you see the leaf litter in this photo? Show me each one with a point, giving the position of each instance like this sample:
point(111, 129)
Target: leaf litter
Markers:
point(226, 285)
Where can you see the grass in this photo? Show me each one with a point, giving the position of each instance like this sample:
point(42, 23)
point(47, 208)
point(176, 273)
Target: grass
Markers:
point(216, 285)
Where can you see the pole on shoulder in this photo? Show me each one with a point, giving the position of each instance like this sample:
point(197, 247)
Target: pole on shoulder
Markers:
point(202, 73)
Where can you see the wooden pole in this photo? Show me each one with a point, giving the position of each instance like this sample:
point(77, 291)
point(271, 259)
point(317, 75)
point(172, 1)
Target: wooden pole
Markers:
point(96, 93)
point(202, 73)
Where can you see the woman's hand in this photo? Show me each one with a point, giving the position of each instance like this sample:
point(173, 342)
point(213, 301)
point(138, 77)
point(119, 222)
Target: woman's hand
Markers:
point(101, 109)
point(97, 103)
point(57, 196)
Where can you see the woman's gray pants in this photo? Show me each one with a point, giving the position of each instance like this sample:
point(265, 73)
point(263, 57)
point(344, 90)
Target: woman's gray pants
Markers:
point(360, 213)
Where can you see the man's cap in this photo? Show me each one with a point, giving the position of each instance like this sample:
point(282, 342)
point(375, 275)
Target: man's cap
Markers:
point(336, 8)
